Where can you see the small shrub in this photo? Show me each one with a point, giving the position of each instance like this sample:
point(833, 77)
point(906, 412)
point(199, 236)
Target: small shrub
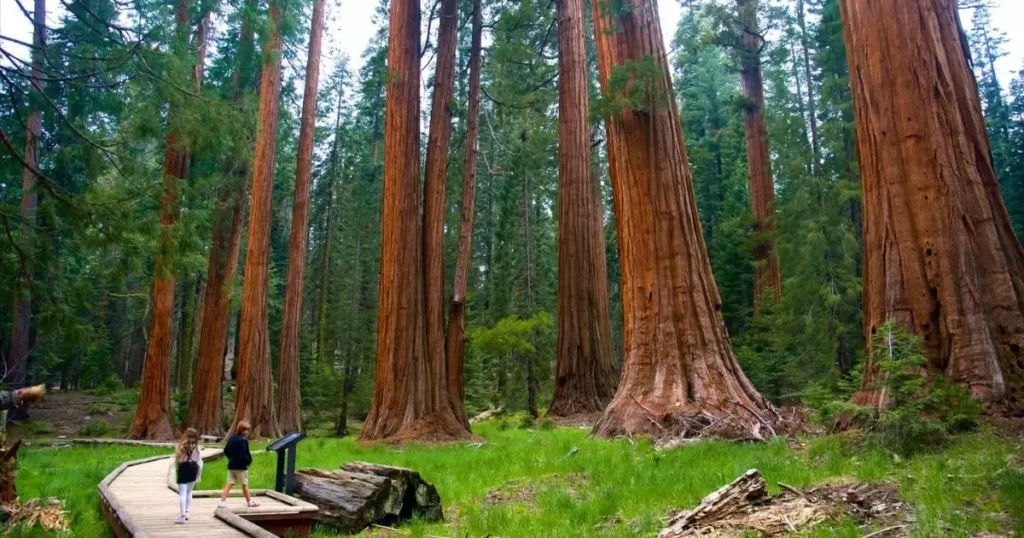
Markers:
point(503, 424)
point(527, 422)
point(101, 408)
point(108, 386)
point(95, 428)
point(547, 424)
point(38, 428)
point(921, 413)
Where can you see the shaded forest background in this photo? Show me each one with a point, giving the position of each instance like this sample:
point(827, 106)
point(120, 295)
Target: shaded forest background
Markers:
point(110, 92)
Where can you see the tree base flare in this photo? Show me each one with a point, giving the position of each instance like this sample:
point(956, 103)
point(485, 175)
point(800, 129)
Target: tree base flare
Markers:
point(434, 428)
point(363, 494)
point(738, 421)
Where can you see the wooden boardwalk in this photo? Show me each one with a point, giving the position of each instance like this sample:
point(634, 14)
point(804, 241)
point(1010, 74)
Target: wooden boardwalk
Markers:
point(140, 500)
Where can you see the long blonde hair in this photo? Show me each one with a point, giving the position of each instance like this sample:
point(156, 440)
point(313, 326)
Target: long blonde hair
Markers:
point(188, 444)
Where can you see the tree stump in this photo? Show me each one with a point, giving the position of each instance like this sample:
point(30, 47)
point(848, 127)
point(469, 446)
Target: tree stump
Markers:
point(728, 500)
point(362, 494)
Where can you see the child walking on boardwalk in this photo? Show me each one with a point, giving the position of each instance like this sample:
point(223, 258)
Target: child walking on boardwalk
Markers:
point(188, 465)
point(239, 459)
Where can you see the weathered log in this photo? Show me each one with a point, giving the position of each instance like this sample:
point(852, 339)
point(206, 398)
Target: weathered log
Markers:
point(362, 494)
point(727, 501)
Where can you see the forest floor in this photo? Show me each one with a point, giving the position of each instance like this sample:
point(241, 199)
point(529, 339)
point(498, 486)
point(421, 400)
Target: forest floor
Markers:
point(561, 483)
point(78, 414)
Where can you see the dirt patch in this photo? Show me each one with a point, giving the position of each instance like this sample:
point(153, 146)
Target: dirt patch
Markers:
point(1009, 428)
point(525, 492)
point(72, 414)
point(743, 507)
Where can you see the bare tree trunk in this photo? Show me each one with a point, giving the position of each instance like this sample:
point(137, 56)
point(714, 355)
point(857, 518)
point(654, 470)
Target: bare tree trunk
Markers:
point(677, 359)
point(456, 338)
point(940, 255)
point(153, 416)
point(767, 276)
point(434, 205)
point(585, 373)
point(206, 405)
point(21, 311)
point(812, 106)
point(410, 395)
point(289, 400)
point(255, 402)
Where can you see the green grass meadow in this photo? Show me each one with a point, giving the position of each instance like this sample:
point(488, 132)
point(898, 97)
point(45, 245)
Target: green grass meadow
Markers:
point(585, 487)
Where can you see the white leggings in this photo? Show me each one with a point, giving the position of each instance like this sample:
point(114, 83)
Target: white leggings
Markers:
point(185, 496)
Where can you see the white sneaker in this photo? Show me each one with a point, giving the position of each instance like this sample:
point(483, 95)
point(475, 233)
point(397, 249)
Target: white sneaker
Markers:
point(222, 504)
point(180, 520)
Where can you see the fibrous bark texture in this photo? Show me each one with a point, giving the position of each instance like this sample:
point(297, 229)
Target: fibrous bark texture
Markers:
point(255, 402)
point(677, 359)
point(153, 414)
point(585, 373)
point(288, 401)
point(455, 340)
point(940, 256)
point(767, 276)
point(206, 403)
point(411, 395)
point(21, 311)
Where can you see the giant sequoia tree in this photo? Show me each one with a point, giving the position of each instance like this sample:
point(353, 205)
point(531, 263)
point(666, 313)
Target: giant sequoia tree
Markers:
point(585, 375)
point(940, 255)
point(288, 411)
point(411, 393)
point(153, 414)
point(206, 403)
point(455, 339)
point(678, 363)
point(767, 276)
point(255, 402)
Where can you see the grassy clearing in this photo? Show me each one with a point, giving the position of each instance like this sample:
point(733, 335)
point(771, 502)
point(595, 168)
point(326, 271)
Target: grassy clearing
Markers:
point(560, 483)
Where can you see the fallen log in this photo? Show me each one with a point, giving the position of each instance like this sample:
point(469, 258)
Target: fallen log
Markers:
point(727, 501)
point(364, 494)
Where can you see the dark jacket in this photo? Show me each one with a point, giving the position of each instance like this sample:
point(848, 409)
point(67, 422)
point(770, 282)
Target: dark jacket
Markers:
point(237, 452)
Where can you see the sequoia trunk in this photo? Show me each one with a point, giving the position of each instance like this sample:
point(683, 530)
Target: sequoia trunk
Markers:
point(940, 256)
point(153, 414)
point(767, 278)
point(455, 344)
point(21, 311)
point(585, 374)
point(288, 404)
point(255, 402)
point(410, 393)
point(206, 407)
point(678, 363)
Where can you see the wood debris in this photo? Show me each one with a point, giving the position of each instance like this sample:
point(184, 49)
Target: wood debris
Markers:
point(47, 513)
point(744, 506)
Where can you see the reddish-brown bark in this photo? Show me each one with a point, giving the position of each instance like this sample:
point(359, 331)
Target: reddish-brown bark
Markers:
point(21, 311)
point(206, 406)
point(434, 206)
point(255, 401)
point(289, 414)
point(410, 394)
point(455, 340)
point(767, 277)
point(940, 256)
point(153, 415)
point(585, 373)
point(678, 363)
